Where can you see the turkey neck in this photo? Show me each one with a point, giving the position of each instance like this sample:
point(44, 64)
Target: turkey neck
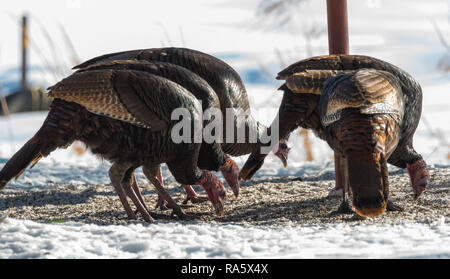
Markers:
point(249, 143)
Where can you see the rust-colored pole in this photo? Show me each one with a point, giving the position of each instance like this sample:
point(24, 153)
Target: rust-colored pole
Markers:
point(337, 26)
point(337, 18)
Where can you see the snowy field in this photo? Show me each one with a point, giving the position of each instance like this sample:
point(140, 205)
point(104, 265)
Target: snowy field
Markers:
point(396, 31)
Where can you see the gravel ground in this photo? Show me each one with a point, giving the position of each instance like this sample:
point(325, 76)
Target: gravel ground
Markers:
point(262, 201)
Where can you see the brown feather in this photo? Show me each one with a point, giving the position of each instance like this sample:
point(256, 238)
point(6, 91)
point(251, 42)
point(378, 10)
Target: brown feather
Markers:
point(94, 90)
point(310, 81)
point(334, 62)
point(371, 91)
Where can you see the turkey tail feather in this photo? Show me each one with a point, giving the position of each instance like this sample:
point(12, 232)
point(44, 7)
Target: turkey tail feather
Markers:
point(57, 131)
point(15, 166)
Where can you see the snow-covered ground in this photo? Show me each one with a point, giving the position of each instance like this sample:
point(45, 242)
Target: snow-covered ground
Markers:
point(397, 31)
point(26, 239)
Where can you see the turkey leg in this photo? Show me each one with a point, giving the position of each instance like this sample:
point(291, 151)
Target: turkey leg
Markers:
point(342, 178)
point(161, 203)
point(141, 208)
point(116, 174)
point(136, 190)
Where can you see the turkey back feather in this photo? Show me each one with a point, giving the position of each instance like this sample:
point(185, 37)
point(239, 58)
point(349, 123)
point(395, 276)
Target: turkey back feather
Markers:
point(410, 88)
point(180, 75)
point(371, 91)
point(136, 97)
point(338, 62)
point(224, 80)
point(310, 81)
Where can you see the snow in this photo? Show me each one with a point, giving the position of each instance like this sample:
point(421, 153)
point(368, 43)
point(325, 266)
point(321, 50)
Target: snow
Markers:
point(26, 239)
point(391, 30)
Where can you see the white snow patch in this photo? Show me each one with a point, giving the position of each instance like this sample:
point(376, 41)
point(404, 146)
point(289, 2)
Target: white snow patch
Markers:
point(26, 239)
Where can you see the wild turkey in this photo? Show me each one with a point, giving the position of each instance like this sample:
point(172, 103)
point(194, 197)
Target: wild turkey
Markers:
point(226, 84)
point(304, 89)
point(211, 156)
point(124, 115)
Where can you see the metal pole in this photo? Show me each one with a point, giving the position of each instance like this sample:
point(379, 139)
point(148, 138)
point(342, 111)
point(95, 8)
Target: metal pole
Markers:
point(24, 84)
point(337, 18)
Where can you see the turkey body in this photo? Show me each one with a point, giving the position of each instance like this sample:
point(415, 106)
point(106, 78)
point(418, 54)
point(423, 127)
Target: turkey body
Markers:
point(212, 156)
point(222, 78)
point(114, 140)
point(304, 90)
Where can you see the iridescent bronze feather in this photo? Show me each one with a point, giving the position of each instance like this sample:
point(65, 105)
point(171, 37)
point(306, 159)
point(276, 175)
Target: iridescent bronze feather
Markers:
point(369, 90)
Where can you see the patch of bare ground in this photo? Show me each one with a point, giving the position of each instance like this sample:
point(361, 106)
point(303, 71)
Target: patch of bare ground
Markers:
point(262, 201)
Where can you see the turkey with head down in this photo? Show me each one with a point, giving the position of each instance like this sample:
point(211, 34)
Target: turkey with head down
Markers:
point(122, 112)
point(229, 89)
point(211, 156)
point(304, 90)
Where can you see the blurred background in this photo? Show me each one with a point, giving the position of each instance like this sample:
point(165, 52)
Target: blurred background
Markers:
point(42, 40)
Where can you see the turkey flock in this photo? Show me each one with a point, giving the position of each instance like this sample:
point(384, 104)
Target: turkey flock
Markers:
point(121, 106)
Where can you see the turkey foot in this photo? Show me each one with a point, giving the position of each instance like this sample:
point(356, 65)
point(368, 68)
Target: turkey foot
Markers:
point(393, 207)
point(192, 196)
point(342, 184)
point(345, 208)
point(161, 203)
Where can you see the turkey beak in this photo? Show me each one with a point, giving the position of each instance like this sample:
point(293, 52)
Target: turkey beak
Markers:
point(219, 208)
point(252, 165)
point(420, 187)
point(282, 152)
point(2, 184)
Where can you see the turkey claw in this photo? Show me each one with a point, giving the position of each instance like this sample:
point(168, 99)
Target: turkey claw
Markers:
point(219, 208)
point(179, 213)
point(393, 207)
point(195, 199)
point(161, 204)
